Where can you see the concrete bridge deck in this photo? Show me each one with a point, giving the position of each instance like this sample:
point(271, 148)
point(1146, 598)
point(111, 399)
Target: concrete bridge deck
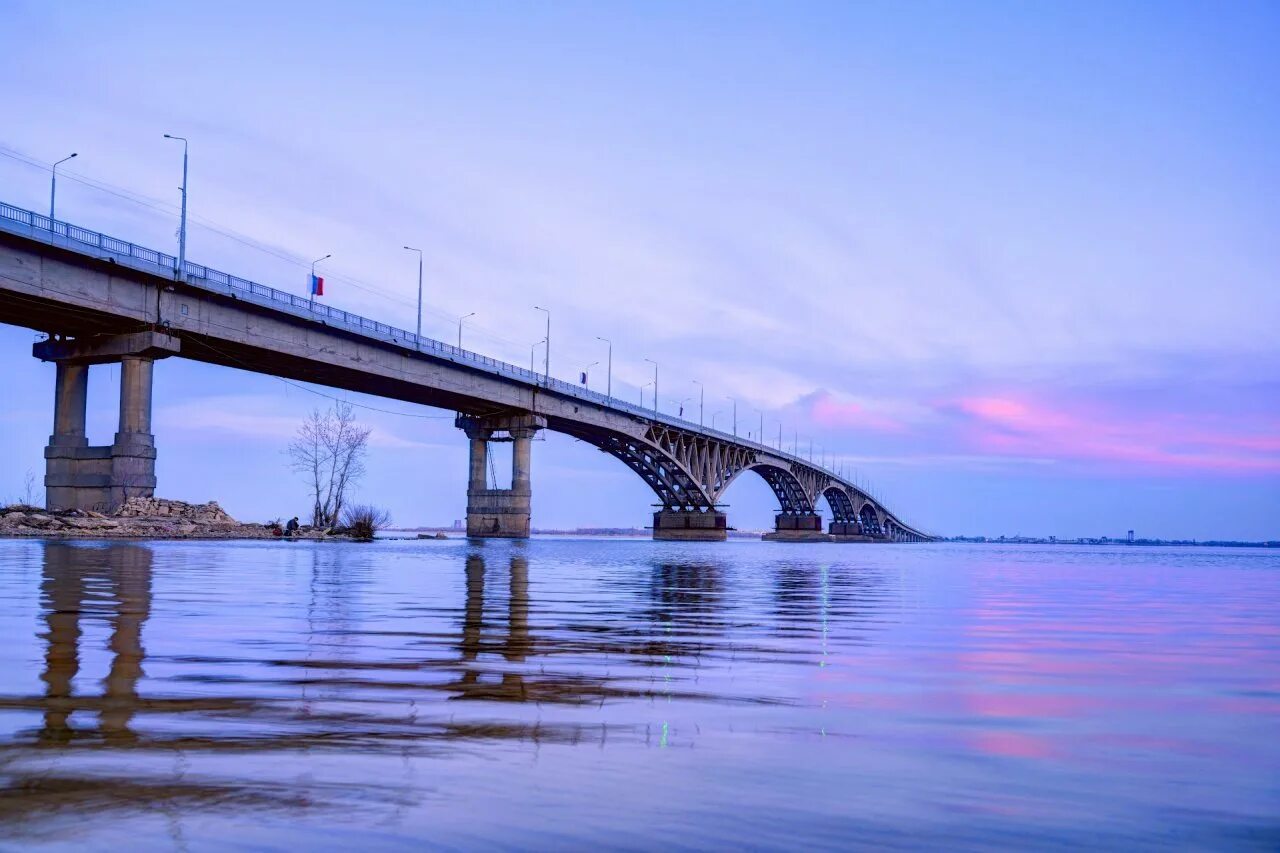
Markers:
point(102, 299)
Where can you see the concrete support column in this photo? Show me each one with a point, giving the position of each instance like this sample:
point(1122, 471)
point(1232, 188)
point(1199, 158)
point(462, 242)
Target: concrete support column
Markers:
point(690, 525)
point(500, 513)
point(797, 527)
point(75, 475)
point(135, 394)
point(70, 397)
point(101, 478)
point(479, 460)
point(521, 454)
point(133, 455)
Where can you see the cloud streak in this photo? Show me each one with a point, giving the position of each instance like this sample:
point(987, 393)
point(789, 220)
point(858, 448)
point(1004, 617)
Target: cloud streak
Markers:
point(1172, 443)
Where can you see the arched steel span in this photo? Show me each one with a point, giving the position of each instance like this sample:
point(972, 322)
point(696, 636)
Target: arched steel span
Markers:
point(691, 471)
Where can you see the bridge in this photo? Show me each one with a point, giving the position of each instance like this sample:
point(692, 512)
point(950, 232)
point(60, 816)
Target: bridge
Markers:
point(105, 300)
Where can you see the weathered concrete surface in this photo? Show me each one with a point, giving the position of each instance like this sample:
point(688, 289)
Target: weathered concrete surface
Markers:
point(797, 536)
point(78, 476)
point(106, 349)
point(690, 526)
point(500, 513)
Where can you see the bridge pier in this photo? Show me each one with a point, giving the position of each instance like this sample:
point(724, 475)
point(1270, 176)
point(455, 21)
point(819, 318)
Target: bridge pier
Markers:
point(101, 478)
point(848, 531)
point(796, 527)
point(500, 513)
point(676, 525)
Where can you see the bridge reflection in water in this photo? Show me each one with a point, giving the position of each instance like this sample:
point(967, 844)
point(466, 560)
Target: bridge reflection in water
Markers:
point(111, 584)
point(188, 685)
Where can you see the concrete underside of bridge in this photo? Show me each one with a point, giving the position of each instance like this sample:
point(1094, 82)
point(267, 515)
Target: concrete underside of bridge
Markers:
point(97, 311)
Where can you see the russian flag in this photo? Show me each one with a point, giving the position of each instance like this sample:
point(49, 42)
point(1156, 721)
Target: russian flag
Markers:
point(317, 285)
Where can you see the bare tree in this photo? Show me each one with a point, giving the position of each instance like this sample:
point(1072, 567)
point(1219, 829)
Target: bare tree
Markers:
point(329, 451)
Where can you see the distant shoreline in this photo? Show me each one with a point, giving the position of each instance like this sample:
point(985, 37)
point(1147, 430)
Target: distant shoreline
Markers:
point(643, 532)
point(1104, 540)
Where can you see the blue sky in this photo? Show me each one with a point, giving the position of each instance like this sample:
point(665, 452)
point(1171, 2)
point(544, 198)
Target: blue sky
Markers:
point(1015, 264)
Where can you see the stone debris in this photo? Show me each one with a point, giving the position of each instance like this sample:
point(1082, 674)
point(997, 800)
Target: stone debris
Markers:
point(150, 518)
point(206, 513)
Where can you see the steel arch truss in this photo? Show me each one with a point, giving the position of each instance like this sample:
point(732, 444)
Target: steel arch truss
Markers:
point(711, 464)
point(668, 479)
point(869, 520)
point(791, 494)
point(841, 505)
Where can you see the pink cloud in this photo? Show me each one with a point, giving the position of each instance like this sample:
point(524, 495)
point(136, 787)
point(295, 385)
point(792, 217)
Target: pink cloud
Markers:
point(831, 413)
point(1020, 426)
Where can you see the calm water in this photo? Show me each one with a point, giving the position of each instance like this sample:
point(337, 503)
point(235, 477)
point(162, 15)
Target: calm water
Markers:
point(576, 693)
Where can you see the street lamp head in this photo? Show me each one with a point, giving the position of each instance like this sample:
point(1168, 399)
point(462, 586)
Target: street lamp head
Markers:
point(73, 154)
point(606, 340)
point(412, 249)
point(465, 316)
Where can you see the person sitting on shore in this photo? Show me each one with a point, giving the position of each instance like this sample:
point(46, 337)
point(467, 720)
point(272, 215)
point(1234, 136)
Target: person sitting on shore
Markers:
point(292, 527)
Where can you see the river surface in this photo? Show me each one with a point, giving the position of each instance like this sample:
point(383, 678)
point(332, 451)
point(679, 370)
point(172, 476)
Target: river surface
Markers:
point(569, 694)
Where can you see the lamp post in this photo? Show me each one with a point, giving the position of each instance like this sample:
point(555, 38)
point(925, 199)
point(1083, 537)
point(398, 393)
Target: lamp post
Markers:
point(586, 373)
point(714, 415)
point(760, 435)
point(609, 370)
point(735, 415)
point(655, 384)
point(460, 319)
point(546, 355)
point(680, 406)
point(419, 328)
point(532, 350)
point(311, 286)
point(642, 387)
point(182, 228)
point(53, 186)
point(702, 400)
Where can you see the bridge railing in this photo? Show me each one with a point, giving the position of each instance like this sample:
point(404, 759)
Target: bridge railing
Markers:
point(73, 237)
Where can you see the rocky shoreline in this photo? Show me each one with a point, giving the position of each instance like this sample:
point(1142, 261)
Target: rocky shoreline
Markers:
point(140, 518)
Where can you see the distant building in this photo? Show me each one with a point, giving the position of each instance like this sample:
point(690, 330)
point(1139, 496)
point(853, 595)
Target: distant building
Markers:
point(457, 524)
point(1130, 537)
point(1053, 540)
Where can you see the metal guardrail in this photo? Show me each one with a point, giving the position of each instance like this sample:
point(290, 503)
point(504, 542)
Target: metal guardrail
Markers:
point(82, 240)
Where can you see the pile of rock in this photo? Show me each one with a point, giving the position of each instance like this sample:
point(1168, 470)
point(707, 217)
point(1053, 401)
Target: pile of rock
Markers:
point(153, 518)
point(206, 513)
